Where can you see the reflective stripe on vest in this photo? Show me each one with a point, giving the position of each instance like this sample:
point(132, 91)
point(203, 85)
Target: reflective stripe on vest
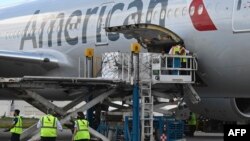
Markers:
point(18, 128)
point(49, 126)
point(82, 131)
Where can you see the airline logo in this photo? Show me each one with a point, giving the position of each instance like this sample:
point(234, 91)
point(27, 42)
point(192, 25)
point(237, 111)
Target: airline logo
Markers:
point(61, 23)
point(200, 17)
point(58, 27)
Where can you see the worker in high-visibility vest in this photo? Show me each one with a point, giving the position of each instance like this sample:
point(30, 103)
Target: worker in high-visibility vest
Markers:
point(48, 125)
point(192, 123)
point(175, 50)
point(17, 127)
point(184, 52)
point(81, 132)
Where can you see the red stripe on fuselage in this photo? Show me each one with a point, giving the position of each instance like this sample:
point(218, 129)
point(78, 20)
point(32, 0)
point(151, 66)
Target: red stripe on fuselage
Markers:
point(201, 21)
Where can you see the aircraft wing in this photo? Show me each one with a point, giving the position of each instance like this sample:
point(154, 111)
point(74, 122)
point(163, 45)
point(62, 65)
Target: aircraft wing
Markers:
point(20, 63)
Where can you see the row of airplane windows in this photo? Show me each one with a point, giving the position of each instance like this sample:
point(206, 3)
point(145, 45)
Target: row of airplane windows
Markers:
point(177, 12)
point(18, 34)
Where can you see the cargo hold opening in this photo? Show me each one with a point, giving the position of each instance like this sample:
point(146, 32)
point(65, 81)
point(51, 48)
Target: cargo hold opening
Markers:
point(152, 37)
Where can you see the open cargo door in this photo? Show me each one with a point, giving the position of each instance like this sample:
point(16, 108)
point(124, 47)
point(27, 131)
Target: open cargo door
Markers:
point(153, 37)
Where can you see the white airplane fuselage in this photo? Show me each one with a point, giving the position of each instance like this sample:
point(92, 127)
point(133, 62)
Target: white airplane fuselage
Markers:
point(216, 31)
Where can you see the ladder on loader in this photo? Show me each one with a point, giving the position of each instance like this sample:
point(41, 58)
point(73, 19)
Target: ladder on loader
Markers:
point(147, 103)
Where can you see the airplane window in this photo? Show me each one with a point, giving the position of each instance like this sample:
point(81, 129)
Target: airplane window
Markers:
point(184, 11)
point(16, 34)
point(149, 16)
point(169, 13)
point(200, 9)
point(176, 13)
point(11, 35)
point(19, 34)
point(163, 14)
point(191, 12)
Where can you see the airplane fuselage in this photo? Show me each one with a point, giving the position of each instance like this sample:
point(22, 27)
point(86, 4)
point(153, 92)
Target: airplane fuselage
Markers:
point(215, 31)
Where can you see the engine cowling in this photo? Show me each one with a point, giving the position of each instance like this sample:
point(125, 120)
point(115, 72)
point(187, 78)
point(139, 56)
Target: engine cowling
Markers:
point(226, 109)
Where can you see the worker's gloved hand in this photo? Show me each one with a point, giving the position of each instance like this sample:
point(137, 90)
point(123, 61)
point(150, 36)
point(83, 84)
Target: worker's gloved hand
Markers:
point(6, 130)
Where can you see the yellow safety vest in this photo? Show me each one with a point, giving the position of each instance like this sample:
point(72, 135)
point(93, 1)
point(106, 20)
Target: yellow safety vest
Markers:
point(49, 126)
point(175, 50)
point(82, 131)
point(18, 128)
point(192, 121)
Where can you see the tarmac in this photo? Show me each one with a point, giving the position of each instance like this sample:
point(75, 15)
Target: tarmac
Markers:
point(66, 136)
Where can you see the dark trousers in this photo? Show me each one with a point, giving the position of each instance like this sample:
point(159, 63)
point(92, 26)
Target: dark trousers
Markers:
point(192, 129)
point(83, 140)
point(48, 138)
point(15, 137)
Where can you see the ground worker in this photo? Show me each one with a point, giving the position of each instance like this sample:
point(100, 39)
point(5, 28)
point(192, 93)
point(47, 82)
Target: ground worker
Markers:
point(192, 123)
point(17, 127)
point(183, 52)
point(81, 132)
point(49, 125)
point(175, 50)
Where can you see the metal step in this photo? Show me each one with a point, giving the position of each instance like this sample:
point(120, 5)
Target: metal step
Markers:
point(146, 111)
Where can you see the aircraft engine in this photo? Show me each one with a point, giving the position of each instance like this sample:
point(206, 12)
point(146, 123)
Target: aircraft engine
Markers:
point(226, 109)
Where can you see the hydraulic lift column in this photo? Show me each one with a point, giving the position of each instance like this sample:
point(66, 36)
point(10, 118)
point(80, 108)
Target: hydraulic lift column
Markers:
point(135, 49)
point(89, 53)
